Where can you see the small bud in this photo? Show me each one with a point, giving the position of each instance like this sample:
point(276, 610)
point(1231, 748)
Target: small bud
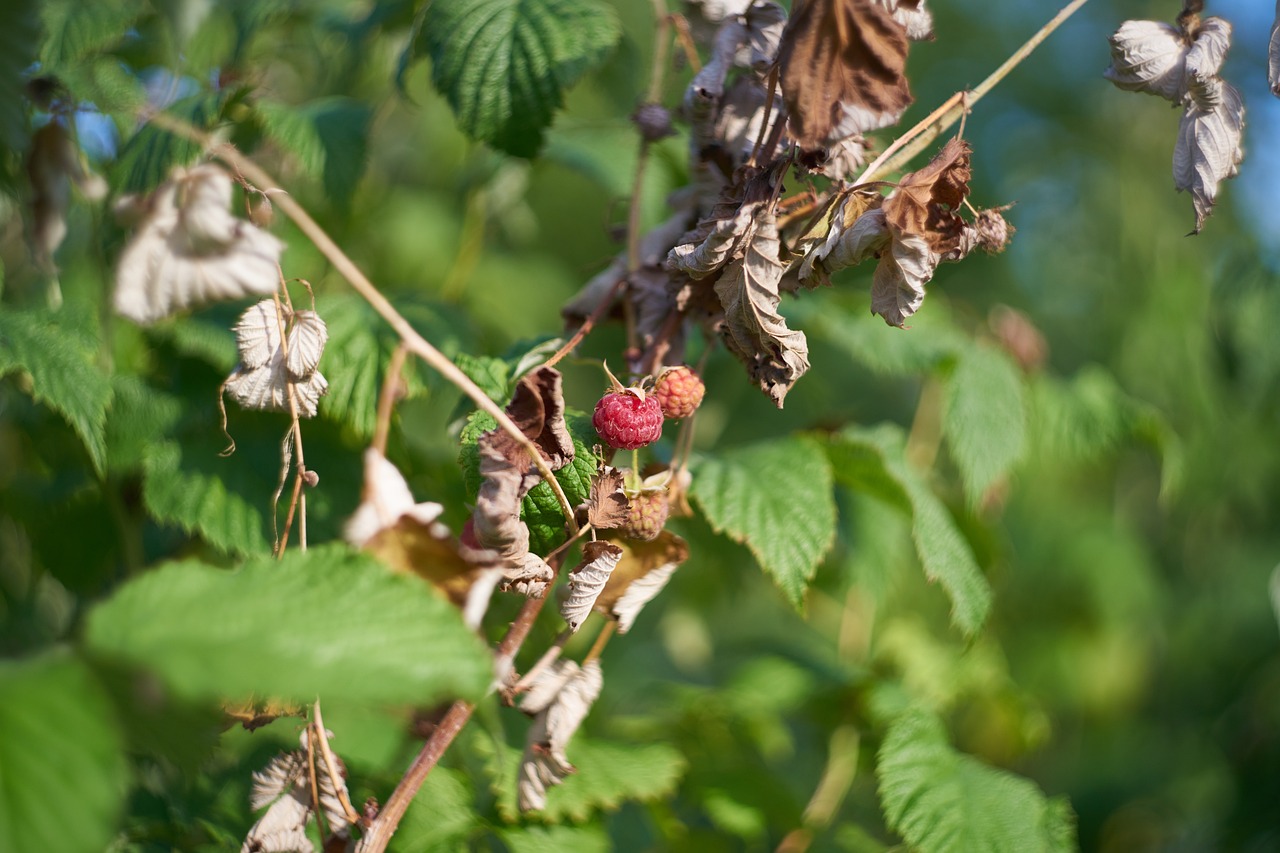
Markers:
point(311, 478)
point(653, 121)
point(261, 213)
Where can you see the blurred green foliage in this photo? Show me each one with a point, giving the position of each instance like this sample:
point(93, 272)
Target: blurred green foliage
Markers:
point(1103, 528)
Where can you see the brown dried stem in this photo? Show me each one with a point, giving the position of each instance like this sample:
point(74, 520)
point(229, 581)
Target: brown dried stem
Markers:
point(587, 325)
point(413, 341)
point(387, 398)
point(332, 766)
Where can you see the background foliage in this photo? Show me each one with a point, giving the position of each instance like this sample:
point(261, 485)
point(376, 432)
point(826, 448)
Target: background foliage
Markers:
point(1098, 639)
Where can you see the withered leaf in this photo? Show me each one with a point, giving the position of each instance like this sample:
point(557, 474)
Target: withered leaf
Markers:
point(641, 573)
point(537, 408)
point(607, 504)
point(546, 686)
point(588, 580)
point(897, 287)
point(1208, 149)
point(848, 243)
point(913, 15)
point(843, 66)
point(544, 763)
point(700, 259)
point(266, 388)
point(775, 356)
point(1273, 55)
point(1148, 56)
point(927, 202)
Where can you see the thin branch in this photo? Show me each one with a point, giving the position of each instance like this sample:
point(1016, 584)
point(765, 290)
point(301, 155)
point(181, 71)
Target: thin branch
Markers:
point(934, 125)
point(332, 766)
point(588, 324)
point(387, 398)
point(416, 344)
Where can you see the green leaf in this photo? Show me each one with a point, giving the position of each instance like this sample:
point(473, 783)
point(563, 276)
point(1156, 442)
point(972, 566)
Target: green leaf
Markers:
point(985, 422)
point(106, 83)
point(440, 817)
point(329, 137)
point(326, 622)
point(504, 65)
point(19, 41)
point(872, 461)
point(62, 768)
point(776, 498)
point(138, 420)
point(150, 154)
point(930, 341)
point(64, 373)
point(186, 491)
point(556, 839)
point(940, 799)
point(75, 30)
point(490, 373)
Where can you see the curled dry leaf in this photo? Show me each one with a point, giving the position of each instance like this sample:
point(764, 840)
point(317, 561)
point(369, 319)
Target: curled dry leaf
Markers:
point(508, 473)
point(266, 374)
point(191, 250)
point(926, 203)
point(641, 573)
point(775, 355)
point(607, 504)
point(843, 66)
point(849, 242)
point(283, 829)
point(277, 778)
point(897, 287)
point(408, 537)
point(719, 238)
point(588, 580)
point(914, 17)
point(1208, 149)
point(1148, 56)
point(544, 763)
point(547, 686)
point(285, 785)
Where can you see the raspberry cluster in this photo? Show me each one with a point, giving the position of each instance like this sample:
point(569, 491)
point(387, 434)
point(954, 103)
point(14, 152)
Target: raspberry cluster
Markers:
point(630, 418)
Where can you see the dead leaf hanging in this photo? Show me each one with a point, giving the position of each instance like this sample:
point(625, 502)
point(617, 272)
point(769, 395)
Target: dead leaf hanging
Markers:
point(641, 573)
point(264, 379)
point(572, 691)
point(926, 203)
point(843, 65)
point(587, 581)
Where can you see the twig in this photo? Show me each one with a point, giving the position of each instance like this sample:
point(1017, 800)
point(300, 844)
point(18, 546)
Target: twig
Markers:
point(602, 640)
point(332, 766)
point(765, 113)
point(548, 657)
point(387, 398)
point(311, 772)
point(933, 126)
point(587, 324)
point(413, 341)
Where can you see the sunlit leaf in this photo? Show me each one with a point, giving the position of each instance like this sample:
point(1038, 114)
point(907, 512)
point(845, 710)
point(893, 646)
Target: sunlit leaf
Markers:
point(985, 423)
point(939, 799)
point(326, 622)
point(776, 498)
point(64, 772)
point(504, 65)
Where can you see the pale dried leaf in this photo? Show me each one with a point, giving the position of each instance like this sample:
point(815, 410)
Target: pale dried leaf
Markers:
point(527, 575)
point(307, 338)
point(258, 333)
point(540, 769)
point(1206, 55)
point(765, 22)
point(1273, 55)
point(737, 126)
point(544, 763)
point(384, 500)
point(1208, 149)
point(586, 582)
point(1148, 56)
point(640, 592)
point(191, 250)
point(266, 388)
point(283, 829)
point(277, 778)
point(775, 356)
point(913, 15)
point(332, 792)
point(547, 686)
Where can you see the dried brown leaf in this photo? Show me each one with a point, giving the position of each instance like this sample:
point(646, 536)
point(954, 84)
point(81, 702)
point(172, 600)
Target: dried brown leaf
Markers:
point(775, 355)
point(927, 202)
point(846, 245)
point(913, 16)
point(607, 505)
point(544, 763)
point(897, 287)
point(641, 573)
point(843, 68)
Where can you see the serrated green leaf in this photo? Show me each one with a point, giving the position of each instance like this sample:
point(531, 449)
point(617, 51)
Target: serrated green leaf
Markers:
point(106, 83)
point(985, 422)
point(64, 374)
point(776, 498)
point(440, 816)
point(490, 373)
point(556, 839)
point(942, 800)
point(63, 776)
point(138, 420)
point(76, 30)
point(199, 501)
point(19, 42)
point(200, 337)
point(504, 65)
point(885, 350)
point(872, 461)
point(326, 622)
point(328, 136)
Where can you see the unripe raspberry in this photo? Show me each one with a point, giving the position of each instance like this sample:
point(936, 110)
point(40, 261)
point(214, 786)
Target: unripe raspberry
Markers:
point(646, 515)
point(628, 419)
point(679, 391)
point(653, 121)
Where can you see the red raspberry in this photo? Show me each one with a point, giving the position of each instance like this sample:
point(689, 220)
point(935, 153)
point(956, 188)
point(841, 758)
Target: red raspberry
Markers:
point(646, 515)
point(679, 391)
point(628, 419)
